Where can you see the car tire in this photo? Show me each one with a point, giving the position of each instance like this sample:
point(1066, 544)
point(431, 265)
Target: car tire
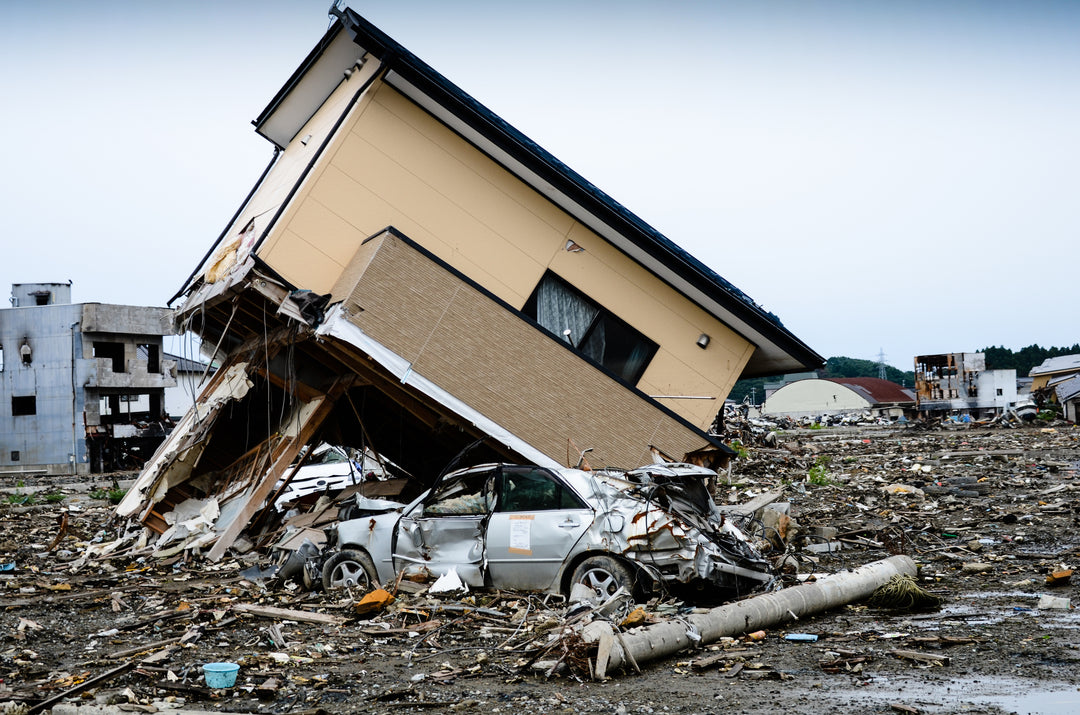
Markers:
point(349, 568)
point(604, 574)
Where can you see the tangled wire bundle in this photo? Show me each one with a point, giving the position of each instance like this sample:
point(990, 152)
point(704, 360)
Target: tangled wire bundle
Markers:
point(901, 592)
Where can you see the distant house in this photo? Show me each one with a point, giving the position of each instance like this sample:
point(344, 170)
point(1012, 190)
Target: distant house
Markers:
point(1067, 393)
point(416, 276)
point(960, 383)
point(190, 377)
point(1052, 372)
point(81, 385)
point(841, 395)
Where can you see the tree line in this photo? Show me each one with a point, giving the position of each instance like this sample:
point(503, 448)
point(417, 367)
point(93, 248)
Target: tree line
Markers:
point(1001, 358)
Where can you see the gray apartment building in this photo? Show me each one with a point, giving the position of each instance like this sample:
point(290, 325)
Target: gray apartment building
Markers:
point(82, 385)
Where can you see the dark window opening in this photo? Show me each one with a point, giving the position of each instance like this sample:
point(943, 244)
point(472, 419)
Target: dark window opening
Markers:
point(590, 329)
point(111, 351)
point(14, 455)
point(152, 353)
point(42, 297)
point(26, 353)
point(23, 406)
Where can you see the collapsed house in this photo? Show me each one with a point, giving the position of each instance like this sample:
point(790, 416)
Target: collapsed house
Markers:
point(1053, 380)
point(412, 276)
point(1067, 393)
point(82, 384)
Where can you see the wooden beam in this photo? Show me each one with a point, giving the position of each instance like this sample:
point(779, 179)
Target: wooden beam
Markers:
point(287, 614)
point(283, 455)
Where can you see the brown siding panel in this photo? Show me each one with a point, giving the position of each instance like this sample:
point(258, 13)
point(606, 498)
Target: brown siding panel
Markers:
point(502, 366)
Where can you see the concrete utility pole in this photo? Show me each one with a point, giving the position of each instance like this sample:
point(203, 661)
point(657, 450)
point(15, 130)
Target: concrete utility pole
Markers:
point(765, 611)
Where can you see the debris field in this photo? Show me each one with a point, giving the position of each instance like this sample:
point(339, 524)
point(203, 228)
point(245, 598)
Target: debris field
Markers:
point(988, 514)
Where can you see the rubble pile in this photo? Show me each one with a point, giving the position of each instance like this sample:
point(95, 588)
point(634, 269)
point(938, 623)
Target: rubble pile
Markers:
point(87, 615)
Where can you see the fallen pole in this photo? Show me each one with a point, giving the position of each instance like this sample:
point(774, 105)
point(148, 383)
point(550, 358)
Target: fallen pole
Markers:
point(732, 619)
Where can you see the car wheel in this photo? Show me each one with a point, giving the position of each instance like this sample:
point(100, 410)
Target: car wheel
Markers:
point(604, 574)
point(349, 568)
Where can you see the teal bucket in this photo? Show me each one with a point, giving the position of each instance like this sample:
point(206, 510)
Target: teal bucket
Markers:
point(220, 675)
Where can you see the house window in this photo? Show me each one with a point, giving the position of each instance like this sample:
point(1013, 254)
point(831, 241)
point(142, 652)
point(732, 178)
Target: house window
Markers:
point(1000, 392)
point(23, 405)
point(590, 329)
point(14, 455)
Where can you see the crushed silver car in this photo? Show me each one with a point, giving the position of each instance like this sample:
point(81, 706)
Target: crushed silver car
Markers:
point(530, 528)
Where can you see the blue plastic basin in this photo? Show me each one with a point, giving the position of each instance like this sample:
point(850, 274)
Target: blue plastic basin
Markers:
point(220, 675)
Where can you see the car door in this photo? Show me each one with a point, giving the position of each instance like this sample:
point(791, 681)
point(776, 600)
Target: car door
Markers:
point(446, 529)
point(535, 523)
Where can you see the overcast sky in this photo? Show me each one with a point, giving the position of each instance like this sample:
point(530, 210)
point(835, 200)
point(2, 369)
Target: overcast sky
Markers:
point(883, 176)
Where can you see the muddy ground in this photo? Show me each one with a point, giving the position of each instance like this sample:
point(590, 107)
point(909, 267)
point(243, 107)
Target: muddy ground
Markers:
point(995, 515)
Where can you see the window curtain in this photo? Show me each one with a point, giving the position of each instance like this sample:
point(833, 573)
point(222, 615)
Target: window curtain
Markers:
point(559, 309)
point(635, 363)
point(595, 347)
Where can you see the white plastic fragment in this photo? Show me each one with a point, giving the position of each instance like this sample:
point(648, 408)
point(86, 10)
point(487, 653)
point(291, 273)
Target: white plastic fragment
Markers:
point(448, 583)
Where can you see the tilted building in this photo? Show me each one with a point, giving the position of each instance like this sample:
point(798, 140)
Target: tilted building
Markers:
point(412, 275)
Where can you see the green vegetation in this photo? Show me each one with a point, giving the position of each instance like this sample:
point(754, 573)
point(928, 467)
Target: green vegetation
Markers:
point(819, 473)
point(55, 497)
point(742, 452)
point(21, 499)
point(852, 367)
point(1001, 358)
point(114, 495)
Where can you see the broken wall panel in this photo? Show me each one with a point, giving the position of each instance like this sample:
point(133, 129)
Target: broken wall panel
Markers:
point(283, 389)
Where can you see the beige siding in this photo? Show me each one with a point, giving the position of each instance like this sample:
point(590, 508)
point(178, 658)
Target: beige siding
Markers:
point(509, 371)
point(394, 165)
point(290, 165)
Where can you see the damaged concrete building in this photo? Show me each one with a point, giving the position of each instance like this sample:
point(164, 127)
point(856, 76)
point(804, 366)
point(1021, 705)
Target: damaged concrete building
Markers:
point(960, 383)
point(413, 276)
point(81, 384)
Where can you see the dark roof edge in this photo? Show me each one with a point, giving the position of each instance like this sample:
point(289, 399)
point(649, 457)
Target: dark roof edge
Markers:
point(529, 153)
point(296, 76)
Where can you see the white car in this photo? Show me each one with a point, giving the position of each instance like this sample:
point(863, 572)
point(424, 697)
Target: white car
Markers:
point(329, 468)
point(531, 528)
